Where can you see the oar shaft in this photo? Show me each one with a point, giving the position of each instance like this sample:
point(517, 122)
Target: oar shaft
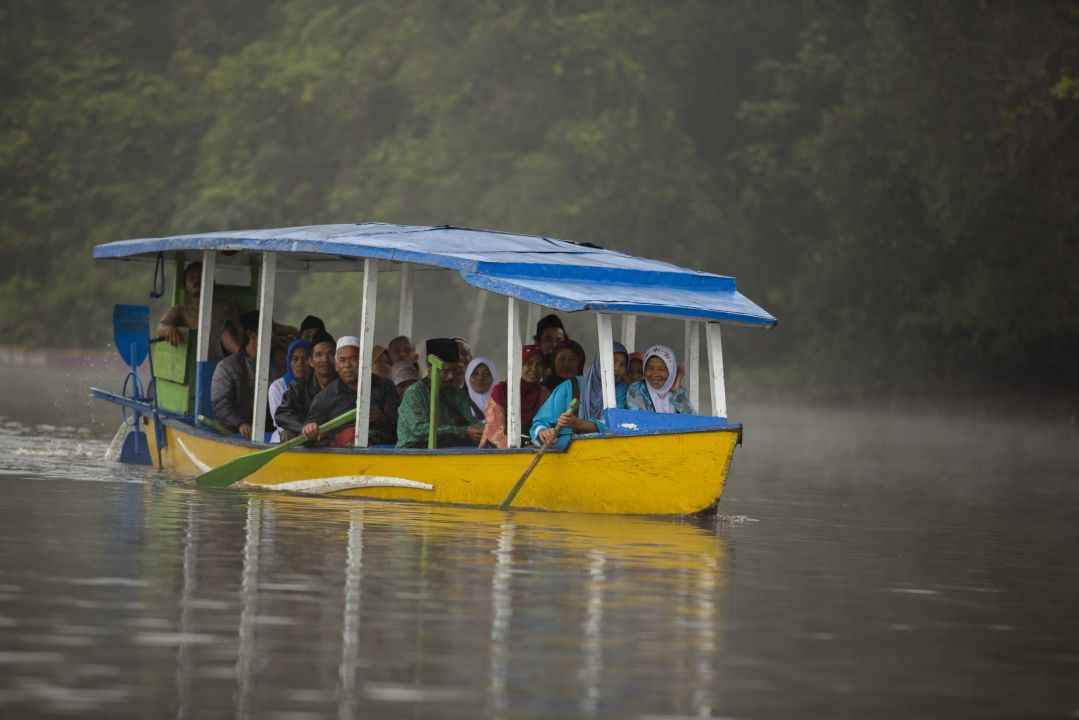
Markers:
point(513, 492)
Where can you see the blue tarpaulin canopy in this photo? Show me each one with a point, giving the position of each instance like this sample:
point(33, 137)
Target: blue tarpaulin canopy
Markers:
point(554, 273)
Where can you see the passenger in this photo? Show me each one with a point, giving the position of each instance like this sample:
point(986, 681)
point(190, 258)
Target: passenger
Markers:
point(296, 402)
point(232, 390)
point(402, 348)
point(533, 395)
point(403, 375)
point(380, 362)
point(311, 325)
point(592, 387)
point(455, 427)
point(661, 390)
point(549, 332)
point(635, 370)
point(299, 366)
point(554, 423)
point(278, 361)
point(567, 361)
point(225, 334)
point(464, 351)
point(340, 397)
point(481, 374)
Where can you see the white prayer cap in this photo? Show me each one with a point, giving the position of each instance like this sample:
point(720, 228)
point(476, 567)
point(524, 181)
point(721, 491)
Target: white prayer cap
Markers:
point(346, 341)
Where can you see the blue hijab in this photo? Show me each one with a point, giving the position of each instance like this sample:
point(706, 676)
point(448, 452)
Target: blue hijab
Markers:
point(592, 386)
point(289, 377)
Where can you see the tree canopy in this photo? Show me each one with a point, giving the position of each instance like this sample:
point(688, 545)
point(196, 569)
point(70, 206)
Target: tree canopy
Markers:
point(896, 180)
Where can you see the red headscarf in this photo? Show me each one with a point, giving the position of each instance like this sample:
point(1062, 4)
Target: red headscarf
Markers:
point(530, 391)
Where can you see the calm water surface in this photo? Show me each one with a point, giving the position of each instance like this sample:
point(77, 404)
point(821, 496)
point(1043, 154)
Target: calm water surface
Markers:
point(864, 565)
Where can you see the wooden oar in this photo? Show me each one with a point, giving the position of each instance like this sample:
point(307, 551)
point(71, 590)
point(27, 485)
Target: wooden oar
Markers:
point(532, 465)
point(239, 468)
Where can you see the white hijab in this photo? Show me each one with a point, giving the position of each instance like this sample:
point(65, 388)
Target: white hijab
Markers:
point(661, 398)
point(480, 398)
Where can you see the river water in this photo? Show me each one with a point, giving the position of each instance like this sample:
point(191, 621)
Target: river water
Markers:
point(864, 564)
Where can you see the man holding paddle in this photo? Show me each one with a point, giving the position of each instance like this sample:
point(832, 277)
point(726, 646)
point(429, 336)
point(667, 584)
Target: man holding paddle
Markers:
point(340, 395)
point(296, 404)
point(454, 425)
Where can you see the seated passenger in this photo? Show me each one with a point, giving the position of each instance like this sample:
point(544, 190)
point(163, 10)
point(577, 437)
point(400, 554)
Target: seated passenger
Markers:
point(402, 348)
point(380, 362)
point(455, 426)
point(592, 386)
point(403, 375)
point(299, 366)
point(554, 423)
point(464, 353)
point(661, 389)
point(232, 389)
point(568, 362)
point(549, 332)
point(225, 331)
point(340, 397)
point(296, 402)
point(635, 369)
point(310, 326)
point(480, 376)
point(533, 395)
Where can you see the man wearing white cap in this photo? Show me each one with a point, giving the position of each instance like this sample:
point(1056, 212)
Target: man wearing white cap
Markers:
point(340, 396)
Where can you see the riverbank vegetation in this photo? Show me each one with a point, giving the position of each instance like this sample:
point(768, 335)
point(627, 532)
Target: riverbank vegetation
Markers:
point(897, 181)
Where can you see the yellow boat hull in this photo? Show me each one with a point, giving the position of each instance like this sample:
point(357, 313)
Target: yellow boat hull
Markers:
point(652, 474)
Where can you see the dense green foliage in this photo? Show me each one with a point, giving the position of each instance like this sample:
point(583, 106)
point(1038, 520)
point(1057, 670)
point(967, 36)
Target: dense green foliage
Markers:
point(897, 181)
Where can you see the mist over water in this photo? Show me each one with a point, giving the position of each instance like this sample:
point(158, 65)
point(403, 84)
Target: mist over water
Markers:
point(865, 563)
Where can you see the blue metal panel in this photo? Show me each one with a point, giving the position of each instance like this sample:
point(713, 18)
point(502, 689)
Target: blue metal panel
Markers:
point(547, 271)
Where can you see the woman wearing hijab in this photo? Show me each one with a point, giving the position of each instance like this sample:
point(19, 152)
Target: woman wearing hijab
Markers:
point(567, 361)
point(661, 389)
point(480, 376)
point(299, 365)
point(592, 384)
point(533, 395)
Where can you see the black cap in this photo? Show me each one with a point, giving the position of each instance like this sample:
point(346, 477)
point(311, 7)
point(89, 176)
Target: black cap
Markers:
point(445, 349)
point(310, 322)
point(321, 337)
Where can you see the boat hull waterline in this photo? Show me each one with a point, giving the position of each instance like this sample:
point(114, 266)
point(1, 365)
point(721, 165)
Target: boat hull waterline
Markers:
point(652, 474)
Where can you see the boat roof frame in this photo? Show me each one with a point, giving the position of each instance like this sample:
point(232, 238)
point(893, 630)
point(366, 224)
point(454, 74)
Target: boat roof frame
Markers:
point(559, 274)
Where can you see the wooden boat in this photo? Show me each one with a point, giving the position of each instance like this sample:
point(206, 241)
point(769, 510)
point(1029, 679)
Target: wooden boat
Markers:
point(646, 463)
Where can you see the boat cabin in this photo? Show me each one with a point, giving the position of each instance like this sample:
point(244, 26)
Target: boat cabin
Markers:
point(534, 274)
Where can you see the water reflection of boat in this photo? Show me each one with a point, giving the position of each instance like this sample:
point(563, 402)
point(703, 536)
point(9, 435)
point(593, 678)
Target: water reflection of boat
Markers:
point(647, 464)
point(547, 594)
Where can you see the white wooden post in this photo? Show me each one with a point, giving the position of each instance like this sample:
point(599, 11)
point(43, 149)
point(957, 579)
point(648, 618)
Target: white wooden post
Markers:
point(606, 359)
point(367, 346)
point(513, 374)
point(715, 366)
point(531, 319)
point(404, 319)
point(202, 339)
point(629, 331)
point(262, 357)
point(693, 362)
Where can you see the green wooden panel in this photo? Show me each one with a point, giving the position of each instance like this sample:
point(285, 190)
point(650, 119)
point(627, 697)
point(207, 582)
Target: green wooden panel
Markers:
point(176, 397)
point(175, 363)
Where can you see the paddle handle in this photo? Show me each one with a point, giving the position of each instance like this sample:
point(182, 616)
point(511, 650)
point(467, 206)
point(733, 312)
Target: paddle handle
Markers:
point(513, 491)
point(531, 466)
point(436, 383)
point(323, 428)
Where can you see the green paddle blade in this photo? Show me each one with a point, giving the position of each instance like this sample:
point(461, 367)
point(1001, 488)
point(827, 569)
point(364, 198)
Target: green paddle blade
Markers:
point(239, 468)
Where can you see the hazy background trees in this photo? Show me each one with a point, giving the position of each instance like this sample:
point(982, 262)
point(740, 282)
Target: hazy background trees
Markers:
point(897, 181)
